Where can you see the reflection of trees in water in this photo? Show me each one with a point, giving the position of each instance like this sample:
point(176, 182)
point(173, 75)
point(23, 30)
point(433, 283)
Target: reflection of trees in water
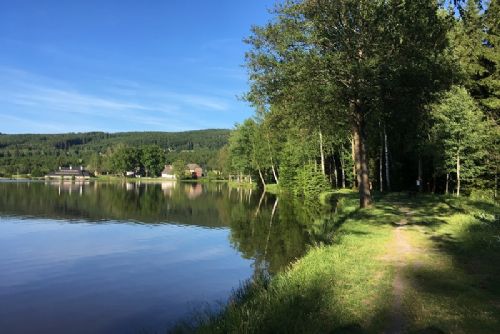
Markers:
point(146, 202)
point(276, 232)
point(271, 232)
point(194, 190)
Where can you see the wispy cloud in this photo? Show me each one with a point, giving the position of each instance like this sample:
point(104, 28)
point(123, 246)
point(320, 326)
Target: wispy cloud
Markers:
point(122, 104)
point(230, 72)
point(72, 101)
point(32, 124)
point(202, 101)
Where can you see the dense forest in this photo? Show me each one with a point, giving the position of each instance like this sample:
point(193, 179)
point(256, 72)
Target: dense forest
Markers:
point(37, 154)
point(373, 95)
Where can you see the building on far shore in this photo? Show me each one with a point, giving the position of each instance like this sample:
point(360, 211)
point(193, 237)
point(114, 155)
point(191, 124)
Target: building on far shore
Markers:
point(69, 173)
point(193, 170)
point(168, 172)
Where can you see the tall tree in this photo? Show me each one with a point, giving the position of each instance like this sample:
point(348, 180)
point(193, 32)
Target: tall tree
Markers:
point(153, 159)
point(460, 130)
point(124, 159)
point(328, 60)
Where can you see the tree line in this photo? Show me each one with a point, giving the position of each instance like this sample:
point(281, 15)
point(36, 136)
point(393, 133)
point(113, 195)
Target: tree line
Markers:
point(39, 154)
point(375, 95)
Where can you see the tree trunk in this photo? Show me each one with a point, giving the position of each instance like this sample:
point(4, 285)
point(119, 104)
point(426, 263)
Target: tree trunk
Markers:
point(335, 175)
point(272, 162)
point(262, 178)
point(386, 151)
point(361, 159)
point(342, 171)
point(447, 183)
point(420, 181)
point(260, 203)
point(330, 171)
point(496, 182)
point(381, 160)
point(434, 182)
point(322, 153)
point(354, 174)
point(380, 169)
point(270, 225)
point(458, 173)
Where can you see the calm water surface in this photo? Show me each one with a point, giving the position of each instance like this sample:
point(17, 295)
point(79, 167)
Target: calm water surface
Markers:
point(131, 257)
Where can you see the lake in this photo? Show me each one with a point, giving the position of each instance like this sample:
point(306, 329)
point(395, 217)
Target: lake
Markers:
point(135, 257)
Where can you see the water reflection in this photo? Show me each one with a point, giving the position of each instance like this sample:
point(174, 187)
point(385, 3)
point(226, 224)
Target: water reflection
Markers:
point(272, 232)
point(121, 248)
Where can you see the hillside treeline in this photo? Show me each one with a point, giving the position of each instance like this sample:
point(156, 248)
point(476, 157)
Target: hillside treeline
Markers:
point(37, 154)
point(373, 94)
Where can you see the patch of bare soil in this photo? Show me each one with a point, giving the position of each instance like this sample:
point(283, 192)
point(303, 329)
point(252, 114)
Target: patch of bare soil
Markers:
point(398, 254)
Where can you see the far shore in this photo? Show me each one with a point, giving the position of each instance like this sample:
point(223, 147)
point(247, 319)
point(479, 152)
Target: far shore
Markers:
point(115, 178)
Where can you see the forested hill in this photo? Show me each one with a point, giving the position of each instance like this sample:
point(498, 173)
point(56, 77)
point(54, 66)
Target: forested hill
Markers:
point(38, 153)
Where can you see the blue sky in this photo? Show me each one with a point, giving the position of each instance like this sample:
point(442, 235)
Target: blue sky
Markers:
point(120, 65)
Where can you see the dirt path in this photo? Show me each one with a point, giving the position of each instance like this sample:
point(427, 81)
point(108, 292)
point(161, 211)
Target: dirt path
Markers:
point(398, 254)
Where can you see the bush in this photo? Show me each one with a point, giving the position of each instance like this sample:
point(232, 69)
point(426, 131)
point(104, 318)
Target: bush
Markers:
point(310, 182)
point(212, 175)
point(37, 172)
point(485, 195)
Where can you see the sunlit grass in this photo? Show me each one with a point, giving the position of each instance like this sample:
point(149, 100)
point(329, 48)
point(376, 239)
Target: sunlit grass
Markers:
point(451, 273)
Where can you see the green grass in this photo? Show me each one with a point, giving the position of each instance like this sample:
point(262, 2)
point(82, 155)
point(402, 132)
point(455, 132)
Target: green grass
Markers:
point(273, 188)
point(115, 178)
point(455, 278)
point(451, 274)
point(244, 185)
point(339, 286)
point(203, 180)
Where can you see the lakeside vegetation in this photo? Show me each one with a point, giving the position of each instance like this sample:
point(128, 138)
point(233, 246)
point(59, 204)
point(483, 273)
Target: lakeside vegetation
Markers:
point(444, 250)
point(376, 96)
point(39, 154)
point(379, 121)
point(373, 95)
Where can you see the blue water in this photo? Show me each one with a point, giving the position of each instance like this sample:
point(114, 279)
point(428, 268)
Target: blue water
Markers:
point(111, 277)
point(131, 257)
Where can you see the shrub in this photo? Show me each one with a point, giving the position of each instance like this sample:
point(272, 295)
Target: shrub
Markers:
point(310, 182)
point(485, 195)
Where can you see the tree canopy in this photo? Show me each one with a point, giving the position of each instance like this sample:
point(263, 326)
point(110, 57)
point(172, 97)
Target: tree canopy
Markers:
point(359, 89)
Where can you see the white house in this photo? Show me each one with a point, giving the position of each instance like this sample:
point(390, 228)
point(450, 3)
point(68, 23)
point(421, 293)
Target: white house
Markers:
point(168, 172)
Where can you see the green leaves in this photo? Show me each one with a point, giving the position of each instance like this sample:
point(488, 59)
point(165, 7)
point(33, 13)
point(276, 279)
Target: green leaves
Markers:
point(153, 159)
point(460, 129)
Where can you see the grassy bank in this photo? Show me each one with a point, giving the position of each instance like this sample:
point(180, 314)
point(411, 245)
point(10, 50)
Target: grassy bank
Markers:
point(273, 188)
point(244, 185)
point(424, 264)
point(114, 178)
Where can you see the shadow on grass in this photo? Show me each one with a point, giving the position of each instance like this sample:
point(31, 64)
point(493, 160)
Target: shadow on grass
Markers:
point(465, 292)
point(302, 309)
point(462, 281)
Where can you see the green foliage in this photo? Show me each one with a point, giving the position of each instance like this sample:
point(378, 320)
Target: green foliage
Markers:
point(214, 175)
point(124, 159)
point(37, 172)
point(179, 168)
point(483, 195)
point(448, 271)
point(328, 76)
point(475, 40)
point(461, 132)
point(310, 182)
point(241, 148)
point(153, 159)
point(24, 152)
